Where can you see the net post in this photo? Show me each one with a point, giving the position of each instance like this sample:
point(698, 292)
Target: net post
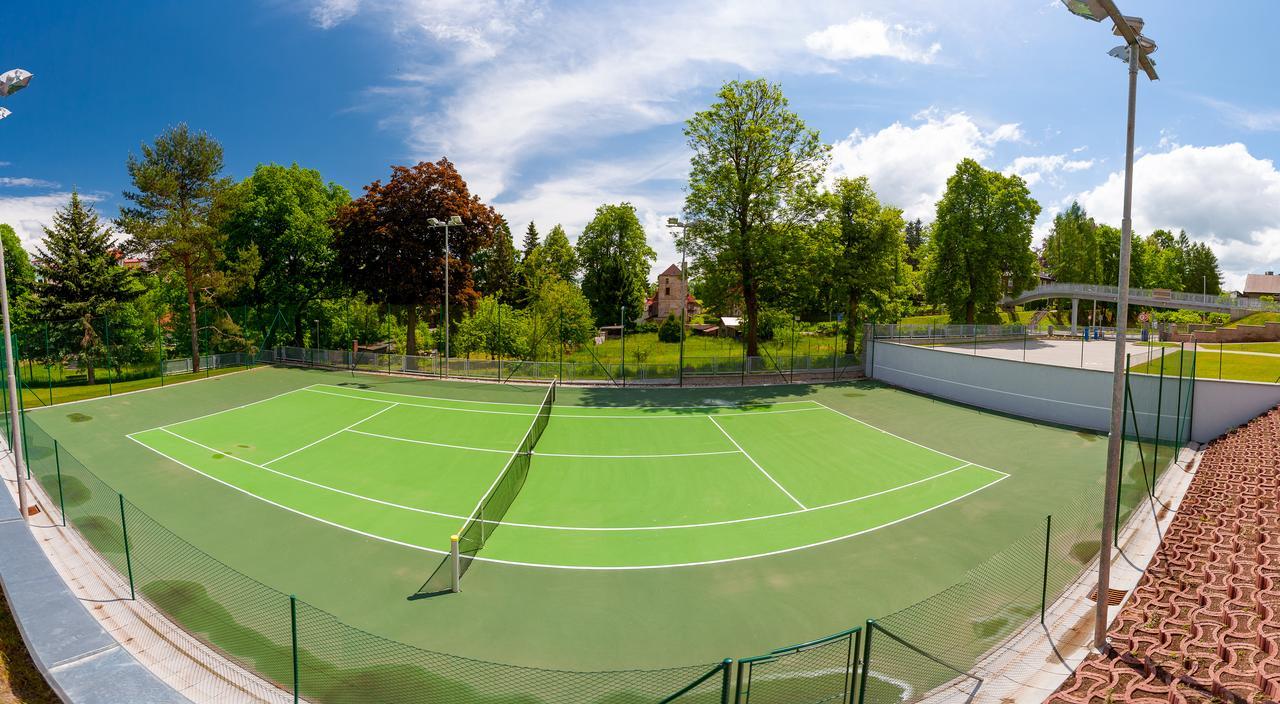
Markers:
point(1155, 460)
point(128, 558)
point(57, 464)
point(455, 565)
point(1044, 584)
point(866, 662)
point(725, 681)
point(738, 689)
point(106, 323)
point(293, 641)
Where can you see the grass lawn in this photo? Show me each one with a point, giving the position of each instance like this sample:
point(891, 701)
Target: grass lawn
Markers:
point(1022, 316)
point(1211, 365)
point(1267, 347)
point(1257, 319)
point(37, 396)
point(645, 347)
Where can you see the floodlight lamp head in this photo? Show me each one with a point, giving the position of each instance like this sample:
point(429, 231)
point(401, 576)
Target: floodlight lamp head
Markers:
point(1135, 23)
point(432, 222)
point(1088, 9)
point(673, 222)
point(455, 220)
point(1121, 52)
point(5, 112)
point(13, 81)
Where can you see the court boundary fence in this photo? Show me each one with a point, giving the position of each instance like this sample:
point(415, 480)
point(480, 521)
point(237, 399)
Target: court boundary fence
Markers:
point(312, 655)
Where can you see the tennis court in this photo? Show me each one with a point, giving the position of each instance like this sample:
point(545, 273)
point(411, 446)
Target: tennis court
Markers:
point(605, 488)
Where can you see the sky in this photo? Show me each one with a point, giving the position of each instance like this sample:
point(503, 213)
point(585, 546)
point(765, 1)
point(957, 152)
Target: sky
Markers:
point(551, 108)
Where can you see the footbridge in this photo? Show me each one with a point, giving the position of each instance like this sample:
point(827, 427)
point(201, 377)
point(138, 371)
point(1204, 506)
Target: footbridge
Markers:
point(1151, 297)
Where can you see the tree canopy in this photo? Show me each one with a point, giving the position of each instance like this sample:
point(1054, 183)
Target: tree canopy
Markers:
point(615, 258)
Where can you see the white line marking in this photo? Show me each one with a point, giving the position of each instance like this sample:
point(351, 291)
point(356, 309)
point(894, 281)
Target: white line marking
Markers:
point(665, 416)
point(752, 460)
point(225, 410)
point(603, 407)
point(913, 442)
point(682, 526)
point(591, 568)
point(540, 454)
point(380, 411)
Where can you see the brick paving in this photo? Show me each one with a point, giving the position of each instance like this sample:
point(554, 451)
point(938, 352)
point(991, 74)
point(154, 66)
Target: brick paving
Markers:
point(1203, 625)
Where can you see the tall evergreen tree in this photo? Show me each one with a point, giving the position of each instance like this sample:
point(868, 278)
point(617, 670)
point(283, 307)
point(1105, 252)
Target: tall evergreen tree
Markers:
point(496, 266)
point(530, 242)
point(559, 255)
point(80, 276)
point(914, 235)
point(171, 216)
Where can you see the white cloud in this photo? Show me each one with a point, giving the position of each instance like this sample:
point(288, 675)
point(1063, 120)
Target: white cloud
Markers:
point(23, 182)
point(28, 215)
point(1222, 195)
point(1034, 169)
point(1252, 120)
point(330, 13)
point(867, 37)
point(908, 166)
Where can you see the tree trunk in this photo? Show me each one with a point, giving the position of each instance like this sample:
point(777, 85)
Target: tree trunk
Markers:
point(297, 329)
point(86, 347)
point(411, 337)
point(850, 340)
point(195, 328)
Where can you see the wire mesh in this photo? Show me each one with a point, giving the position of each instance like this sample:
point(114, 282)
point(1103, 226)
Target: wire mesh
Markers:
point(820, 672)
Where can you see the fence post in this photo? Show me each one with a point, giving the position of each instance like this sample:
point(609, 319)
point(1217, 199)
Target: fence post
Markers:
point(1155, 458)
point(106, 324)
point(725, 682)
point(866, 662)
point(57, 464)
point(48, 362)
point(293, 640)
point(1044, 588)
point(128, 558)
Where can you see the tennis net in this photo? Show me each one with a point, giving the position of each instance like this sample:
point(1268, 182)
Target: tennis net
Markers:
point(489, 512)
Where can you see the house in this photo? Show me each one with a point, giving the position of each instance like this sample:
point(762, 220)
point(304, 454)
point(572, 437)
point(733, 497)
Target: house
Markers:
point(672, 292)
point(1258, 285)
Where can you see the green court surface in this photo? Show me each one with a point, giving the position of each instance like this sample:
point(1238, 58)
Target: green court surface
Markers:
point(657, 527)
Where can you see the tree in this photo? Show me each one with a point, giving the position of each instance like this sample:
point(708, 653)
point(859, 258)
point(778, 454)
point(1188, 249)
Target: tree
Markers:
point(915, 238)
point(387, 250)
point(171, 216)
point(870, 246)
point(282, 215)
point(559, 255)
point(530, 240)
point(754, 163)
point(494, 329)
point(615, 260)
point(19, 275)
point(669, 329)
point(80, 276)
point(1072, 251)
point(982, 243)
point(1201, 271)
point(562, 315)
point(496, 265)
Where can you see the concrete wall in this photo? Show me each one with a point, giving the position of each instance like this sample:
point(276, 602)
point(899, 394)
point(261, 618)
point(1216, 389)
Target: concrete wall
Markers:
point(1267, 332)
point(1070, 396)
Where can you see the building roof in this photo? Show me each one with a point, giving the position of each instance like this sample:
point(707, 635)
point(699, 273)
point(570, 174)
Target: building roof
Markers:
point(1262, 284)
point(672, 270)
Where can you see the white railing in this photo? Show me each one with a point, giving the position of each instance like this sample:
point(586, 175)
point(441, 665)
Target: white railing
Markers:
point(1222, 302)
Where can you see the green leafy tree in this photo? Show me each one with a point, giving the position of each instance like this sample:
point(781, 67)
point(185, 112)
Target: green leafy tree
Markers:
point(559, 256)
point(754, 165)
point(615, 260)
point(171, 218)
point(496, 266)
point(282, 216)
point(982, 243)
point(20, 276)
point(915, 236)
point(493, 329)
point(870, 244)
point(669, 329)
point(387, 250)
point(79, 276)
point(563, 315)
point(1072, 249)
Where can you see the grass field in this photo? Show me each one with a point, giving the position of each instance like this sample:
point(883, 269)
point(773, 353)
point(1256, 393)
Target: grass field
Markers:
point(34, 395)
point(1257, 319)
point(1264, 347)
point(657, 528)
point(1211, 365)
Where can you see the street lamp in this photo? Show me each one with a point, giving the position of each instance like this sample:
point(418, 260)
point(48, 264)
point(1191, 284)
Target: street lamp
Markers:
point(11, 82)
point(455, 221)
point(675, 223)
point(1136, 53)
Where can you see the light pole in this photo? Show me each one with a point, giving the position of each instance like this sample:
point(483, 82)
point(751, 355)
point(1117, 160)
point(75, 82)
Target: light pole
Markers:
point(1136, 53)
point(675, 223)
point(455, 221)
point(11, 82)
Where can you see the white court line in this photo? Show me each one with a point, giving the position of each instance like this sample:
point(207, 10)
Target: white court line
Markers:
point(913, 442)
point(601, 529)
point(225, 410)
point(752, 460)
point(817, 407)
point(380, 411)
point(536, 405)
point(539, 454)
point(590, 568)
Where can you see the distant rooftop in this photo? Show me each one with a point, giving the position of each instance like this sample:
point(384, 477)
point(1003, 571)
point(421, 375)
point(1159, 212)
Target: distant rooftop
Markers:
point(1260, 284)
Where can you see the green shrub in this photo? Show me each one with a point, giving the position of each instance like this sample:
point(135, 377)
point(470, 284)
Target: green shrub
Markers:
point(669, 331)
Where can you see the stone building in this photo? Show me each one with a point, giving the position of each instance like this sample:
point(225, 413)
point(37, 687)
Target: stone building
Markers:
point(671, 293)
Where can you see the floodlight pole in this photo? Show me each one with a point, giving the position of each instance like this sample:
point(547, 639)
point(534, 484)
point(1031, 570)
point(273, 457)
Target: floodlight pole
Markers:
point(15, 417)
point(1115, 440)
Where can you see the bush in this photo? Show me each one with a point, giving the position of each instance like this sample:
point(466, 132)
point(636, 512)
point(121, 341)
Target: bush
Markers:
point(771, 324)
point(646, 327)
point(669, 331)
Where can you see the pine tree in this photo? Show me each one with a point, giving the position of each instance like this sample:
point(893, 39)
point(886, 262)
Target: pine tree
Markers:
point(530, 241)
point(915, 240)
point(496, 266)
point(560, 256)
point(79, 274)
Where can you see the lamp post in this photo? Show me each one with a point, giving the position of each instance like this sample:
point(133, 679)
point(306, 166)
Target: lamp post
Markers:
point(1136, 53)
point(455, 221)
point(11, 82)
point(675, 223)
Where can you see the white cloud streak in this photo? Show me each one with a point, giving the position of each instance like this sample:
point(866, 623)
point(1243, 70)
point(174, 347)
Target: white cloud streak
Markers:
point(23, 182)
point(866, 38)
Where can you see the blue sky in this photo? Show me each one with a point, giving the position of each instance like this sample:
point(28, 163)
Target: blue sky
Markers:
point(552, 108)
